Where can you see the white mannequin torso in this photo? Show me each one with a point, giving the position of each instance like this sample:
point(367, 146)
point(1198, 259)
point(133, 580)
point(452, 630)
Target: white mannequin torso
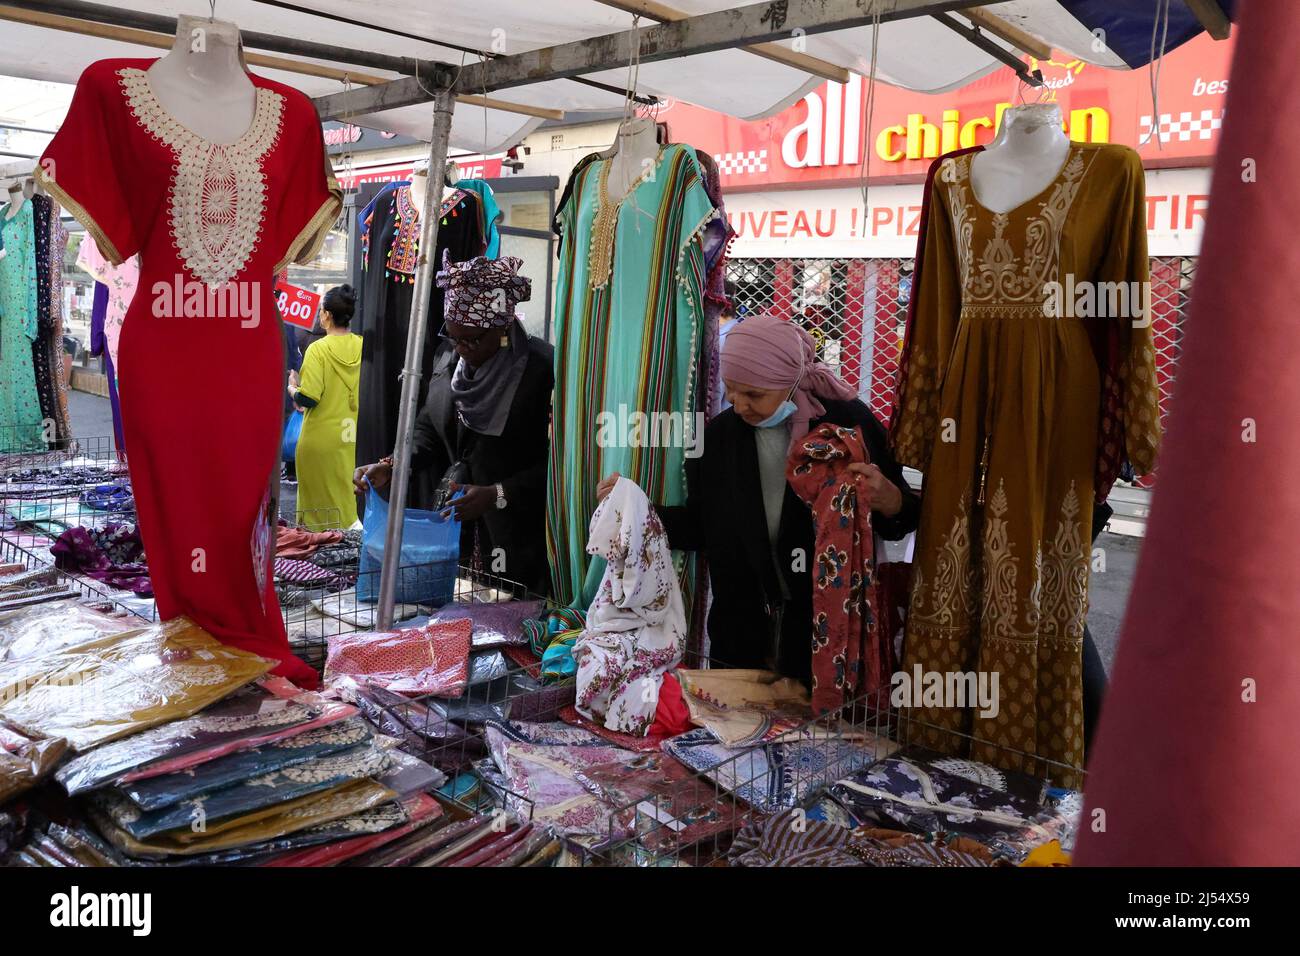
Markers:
point(419, 188)
point(16, 199)
point(202, 82)
point(636, 151)
point(1026, 155)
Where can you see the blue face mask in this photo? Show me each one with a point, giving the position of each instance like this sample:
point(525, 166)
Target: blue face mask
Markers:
point(778, 417)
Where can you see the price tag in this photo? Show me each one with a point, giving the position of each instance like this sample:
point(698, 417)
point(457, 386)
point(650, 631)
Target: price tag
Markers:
point(297, 306)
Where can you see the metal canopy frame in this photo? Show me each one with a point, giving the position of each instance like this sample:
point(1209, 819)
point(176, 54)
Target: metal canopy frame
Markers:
point(426, 81)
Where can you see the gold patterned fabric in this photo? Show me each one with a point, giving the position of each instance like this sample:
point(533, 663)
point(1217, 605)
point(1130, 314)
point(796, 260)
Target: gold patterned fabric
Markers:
point(100, 690)
point(268, 824)
point(1000, 409)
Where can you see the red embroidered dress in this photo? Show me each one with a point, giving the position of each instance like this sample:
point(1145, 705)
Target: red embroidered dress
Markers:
point(201, 365)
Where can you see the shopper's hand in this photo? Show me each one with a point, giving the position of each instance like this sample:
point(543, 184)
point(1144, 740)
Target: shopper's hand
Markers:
point(880, 493)
point(606, 485)
point(378, 475)
point(474, 503)
point(293, 378)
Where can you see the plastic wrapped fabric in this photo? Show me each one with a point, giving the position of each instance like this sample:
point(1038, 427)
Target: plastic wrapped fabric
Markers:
point(495, 623)
point(419, 812)
point(421, 728)
point(536, 843)
point(744, 707)
point(433, 659)
point(99, 691)
point(165, 790)
point(407, 775)
point(675, 808)
point(544, 780)
point(25, 762)
point(473, 838)
point(289, 818)
point(410, 849)
point(83, 846)
point(499, 845)
point(41, 630)
point(246, 803)
point(494, 700)
point(269, 710)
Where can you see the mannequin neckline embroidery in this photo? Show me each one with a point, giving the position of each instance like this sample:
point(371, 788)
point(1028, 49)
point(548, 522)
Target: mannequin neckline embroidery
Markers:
point(218, 192)
point(404, 252)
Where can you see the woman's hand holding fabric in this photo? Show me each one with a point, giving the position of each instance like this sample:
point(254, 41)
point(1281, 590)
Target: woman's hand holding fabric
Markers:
point(881, 493)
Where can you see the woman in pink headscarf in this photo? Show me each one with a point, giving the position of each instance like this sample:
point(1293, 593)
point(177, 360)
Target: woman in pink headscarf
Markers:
point(740, 511)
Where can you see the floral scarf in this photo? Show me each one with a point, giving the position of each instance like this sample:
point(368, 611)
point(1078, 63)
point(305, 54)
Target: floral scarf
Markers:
point(846, 642)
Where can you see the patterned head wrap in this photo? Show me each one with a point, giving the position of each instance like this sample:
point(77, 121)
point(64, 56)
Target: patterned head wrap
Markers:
point(483, 292)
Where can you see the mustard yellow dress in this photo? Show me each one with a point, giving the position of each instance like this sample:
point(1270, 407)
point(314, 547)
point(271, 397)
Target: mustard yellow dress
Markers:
point(326, 458)
point(1017, 405)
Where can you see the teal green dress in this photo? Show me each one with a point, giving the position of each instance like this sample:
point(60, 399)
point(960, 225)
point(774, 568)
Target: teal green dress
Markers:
point(20, 407)
point(629, 329)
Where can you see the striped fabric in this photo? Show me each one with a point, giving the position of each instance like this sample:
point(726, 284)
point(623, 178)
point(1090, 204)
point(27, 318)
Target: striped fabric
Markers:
point(631, 345)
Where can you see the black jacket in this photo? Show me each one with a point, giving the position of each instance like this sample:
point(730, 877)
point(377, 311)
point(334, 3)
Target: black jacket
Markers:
point(724, 518)
point(517, 458)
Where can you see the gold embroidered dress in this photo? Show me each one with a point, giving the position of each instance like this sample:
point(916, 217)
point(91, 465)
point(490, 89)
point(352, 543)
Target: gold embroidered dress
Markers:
point(1014, 413)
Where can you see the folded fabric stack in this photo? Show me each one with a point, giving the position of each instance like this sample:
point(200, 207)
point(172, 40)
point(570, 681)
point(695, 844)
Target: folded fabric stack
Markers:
point(21, 589)
point(309, 563)
point(940, 799)
point(186, 752)
point(497, 840)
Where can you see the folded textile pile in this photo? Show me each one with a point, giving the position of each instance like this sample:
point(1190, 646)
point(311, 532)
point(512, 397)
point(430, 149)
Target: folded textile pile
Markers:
point(791, 839)
point(21, 589)
point(118, 685)
point(482, 840)
point(25, 761)
point(113, 554)
point(42, 629)
point(1007, 812)
point(430, 659)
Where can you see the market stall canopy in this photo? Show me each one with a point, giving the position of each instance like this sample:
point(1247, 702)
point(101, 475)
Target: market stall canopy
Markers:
point(927, 52)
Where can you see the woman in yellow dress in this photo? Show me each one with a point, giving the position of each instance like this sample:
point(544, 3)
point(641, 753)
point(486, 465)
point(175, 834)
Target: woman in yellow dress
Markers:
point(327, 390)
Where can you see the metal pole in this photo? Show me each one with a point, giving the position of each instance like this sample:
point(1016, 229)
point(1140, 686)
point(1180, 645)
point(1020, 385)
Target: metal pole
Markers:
point(443, 104)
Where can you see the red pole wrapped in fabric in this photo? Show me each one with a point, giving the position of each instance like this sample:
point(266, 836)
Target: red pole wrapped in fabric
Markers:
point(1196, 758)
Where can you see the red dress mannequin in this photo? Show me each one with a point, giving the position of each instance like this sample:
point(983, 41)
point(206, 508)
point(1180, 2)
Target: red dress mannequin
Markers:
point(200, 359)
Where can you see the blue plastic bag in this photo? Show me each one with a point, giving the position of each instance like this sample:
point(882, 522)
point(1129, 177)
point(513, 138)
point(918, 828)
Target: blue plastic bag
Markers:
point(430, 555)
point(289, 442)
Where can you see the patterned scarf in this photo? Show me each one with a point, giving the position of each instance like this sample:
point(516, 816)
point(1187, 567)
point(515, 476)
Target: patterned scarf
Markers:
point(846, 641)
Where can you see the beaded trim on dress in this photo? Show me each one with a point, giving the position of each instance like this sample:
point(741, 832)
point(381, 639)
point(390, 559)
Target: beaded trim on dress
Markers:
point(218, 192)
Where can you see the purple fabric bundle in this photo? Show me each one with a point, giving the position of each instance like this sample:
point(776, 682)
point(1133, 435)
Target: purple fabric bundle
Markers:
point(113, 555)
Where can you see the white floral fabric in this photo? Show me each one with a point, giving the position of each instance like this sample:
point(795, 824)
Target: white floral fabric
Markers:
point(636, 626)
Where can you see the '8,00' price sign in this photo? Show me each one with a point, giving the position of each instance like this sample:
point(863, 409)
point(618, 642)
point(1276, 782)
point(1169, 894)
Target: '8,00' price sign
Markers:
point(297, 305)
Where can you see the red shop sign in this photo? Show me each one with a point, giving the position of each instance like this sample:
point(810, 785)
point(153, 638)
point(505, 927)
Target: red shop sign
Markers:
point(297, 306)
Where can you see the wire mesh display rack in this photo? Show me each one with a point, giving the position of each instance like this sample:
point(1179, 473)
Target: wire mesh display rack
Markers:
point(668, 817)
point(452, 732)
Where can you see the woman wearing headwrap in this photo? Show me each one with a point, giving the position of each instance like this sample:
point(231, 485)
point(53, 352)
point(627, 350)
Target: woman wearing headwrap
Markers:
point(486, 421)
point(740, 511)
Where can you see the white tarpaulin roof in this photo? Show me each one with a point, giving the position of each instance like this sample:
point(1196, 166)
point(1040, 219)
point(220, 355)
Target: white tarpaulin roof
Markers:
point(919, 54)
